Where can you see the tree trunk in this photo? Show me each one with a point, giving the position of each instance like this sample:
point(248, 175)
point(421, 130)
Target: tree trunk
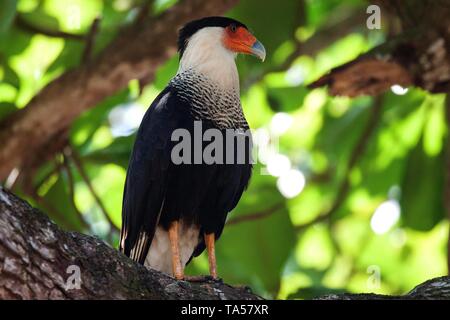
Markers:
point(40, 261)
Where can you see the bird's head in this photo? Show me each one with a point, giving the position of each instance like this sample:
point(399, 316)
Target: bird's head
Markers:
point(209, 47)
point(228, 33)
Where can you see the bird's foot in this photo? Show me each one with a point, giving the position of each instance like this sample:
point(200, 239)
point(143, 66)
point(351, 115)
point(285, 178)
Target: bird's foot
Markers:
point(202, 278)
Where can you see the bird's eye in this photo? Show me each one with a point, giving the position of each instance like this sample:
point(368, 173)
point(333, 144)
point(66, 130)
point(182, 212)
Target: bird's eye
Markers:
point(233, 28)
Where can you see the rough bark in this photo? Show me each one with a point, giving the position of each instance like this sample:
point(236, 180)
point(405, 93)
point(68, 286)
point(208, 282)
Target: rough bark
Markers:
point(417, 54)
point(36, 258)
point(434, 289)
point(135, 54)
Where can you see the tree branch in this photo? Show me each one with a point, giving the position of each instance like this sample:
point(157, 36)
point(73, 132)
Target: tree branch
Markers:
point(144, 10)
point(24, 25)
point(132, 55)
point(256, 215)
point(40, 261)
point(35, 255)
point(418, 56)
point(90, 40)
point(71, 154)
point(434, 289)
point(71, 186)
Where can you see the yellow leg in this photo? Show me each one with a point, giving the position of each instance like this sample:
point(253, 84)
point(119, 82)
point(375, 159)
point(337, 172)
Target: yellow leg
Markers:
point(177, 269)
point(210, 242)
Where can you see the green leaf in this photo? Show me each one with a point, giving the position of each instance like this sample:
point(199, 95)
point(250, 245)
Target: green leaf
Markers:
point(10, 76)
point(6, 109)
point(41, 18)
point(383, 162)
point(339, 134)
point(7, 13)
point(117, 152)
point(109, 182)
point(166, 72)
point(422, 190)
point(286, 99)
point(272, 35)
point(62, 210)
point(13, 42)
point(85, 127)
point(69, 57)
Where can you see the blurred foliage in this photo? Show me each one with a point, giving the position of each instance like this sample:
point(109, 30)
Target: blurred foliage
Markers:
point(290, 252)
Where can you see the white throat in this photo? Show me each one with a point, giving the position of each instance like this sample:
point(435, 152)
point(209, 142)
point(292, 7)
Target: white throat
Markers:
point(205, 54)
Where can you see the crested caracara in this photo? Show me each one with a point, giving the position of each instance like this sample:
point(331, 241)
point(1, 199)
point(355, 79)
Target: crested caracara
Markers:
point(173, 210)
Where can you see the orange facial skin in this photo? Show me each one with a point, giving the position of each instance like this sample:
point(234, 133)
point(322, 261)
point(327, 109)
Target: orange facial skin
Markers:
point(239, 39)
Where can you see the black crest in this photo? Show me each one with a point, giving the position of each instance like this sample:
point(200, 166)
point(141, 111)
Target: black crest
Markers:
point(192, 27)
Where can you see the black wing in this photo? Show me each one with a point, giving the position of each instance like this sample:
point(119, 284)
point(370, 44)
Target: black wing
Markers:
point(146, 181)
point(223, 195)
point(207, 192)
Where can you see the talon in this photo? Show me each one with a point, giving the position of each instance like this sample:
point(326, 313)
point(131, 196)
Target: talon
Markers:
point(202, 278)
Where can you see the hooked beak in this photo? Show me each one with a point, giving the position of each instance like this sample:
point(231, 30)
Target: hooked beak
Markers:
point(243, 41)
point(258, 50)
